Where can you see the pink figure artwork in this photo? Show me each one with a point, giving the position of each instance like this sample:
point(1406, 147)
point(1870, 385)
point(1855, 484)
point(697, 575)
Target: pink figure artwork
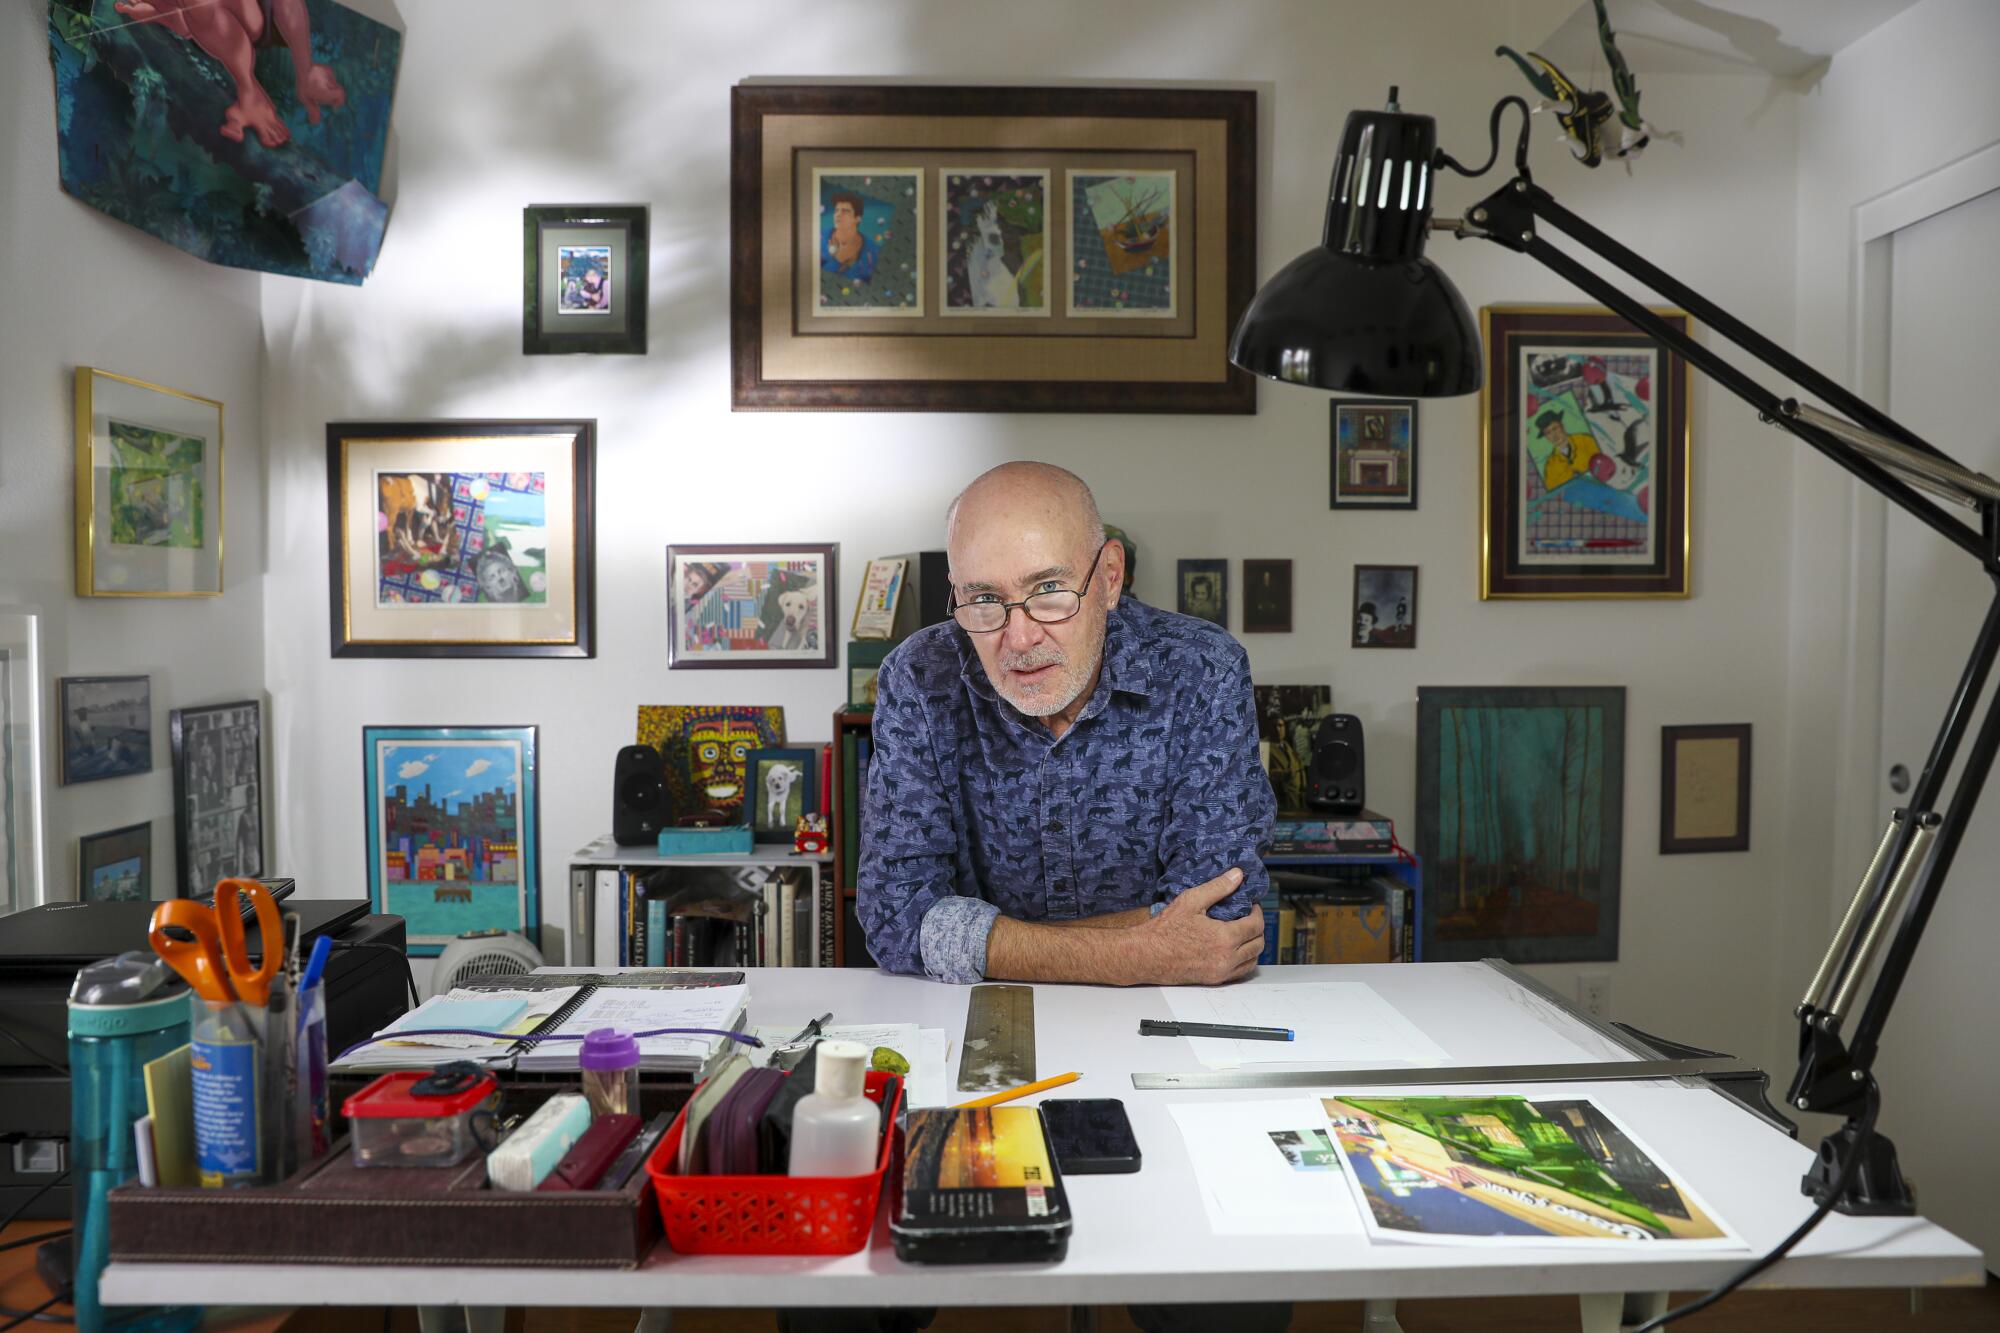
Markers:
point(231, 31)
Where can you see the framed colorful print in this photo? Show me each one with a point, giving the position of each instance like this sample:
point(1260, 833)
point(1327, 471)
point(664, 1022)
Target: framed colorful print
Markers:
point(781, 785)
point(1584, 459)
point(148, 489)
point(705, 750)
point(1705, 789)
point(218, 756)
point(881, 590)
point(1374, 458)
point(990, 249)
point(453, 833)
point(584, 269)
point(461, 538)
point(115, 867)
point(993, 241)
point(106, 724)
point(1267, 597)
point(1385, 607)
point(1520, 821)
point(1203, 590)
point(20, 758)
point(751, 606)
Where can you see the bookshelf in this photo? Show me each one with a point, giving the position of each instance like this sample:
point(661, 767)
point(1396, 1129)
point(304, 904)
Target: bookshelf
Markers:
point(852, 727)
point(1348, 873)
point(599, 871)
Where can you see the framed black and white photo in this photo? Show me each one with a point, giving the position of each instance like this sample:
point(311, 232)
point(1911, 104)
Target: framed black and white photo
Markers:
point(106, 723)
point(218, 794)
point(1267, 597)
point(117, 866)
point(1203, 590)
point(1385, 607)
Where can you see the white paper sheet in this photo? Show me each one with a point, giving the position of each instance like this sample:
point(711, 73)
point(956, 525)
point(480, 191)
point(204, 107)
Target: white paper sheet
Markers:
point(637, 1009)
point(924, 1048)
point(1336, 1025)
point(1248, 1185)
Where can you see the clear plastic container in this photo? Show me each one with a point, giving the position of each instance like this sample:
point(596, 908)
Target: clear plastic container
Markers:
point(610, 1064)
point(393, 1124)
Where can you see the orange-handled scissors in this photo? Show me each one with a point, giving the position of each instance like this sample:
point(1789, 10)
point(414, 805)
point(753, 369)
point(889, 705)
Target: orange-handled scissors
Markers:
point(216, 960)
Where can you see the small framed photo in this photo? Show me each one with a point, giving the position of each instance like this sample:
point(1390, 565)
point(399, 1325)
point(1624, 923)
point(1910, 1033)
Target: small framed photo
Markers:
point(1374, 454)
point(864, 663)
point(1705, 789)
point(585, 274)
point(1385, 607)
point(218, 757)
point(781, 786)
point(148, 489)
point(107, 727)
point(461, 538)
point(757, 605)
point(453, 830)
point(881, 589)
point(1203, 590)
point(1267, 597)
point(117, 866)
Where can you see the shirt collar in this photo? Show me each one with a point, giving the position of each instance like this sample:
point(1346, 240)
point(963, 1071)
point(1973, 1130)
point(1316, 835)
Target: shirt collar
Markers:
point(1125, 668)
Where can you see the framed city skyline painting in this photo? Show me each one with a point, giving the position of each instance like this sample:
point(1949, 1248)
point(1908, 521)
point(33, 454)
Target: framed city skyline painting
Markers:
point(452, 836)
point(461, 538)
point(148, 489)
point(1520, 821)
point(1584, 458)
point(756, 605)
point(908, 248)
point(218, 758)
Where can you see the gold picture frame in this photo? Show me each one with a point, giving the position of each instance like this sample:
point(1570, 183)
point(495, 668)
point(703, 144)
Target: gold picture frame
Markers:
point(149, 489)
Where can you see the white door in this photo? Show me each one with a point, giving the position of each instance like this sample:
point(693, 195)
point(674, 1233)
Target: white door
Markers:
point(1940, 1061)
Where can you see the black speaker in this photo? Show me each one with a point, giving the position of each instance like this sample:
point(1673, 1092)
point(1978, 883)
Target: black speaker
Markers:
point(1336, 779)
point(638, 797)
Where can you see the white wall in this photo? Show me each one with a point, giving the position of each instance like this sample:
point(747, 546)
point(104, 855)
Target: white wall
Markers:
point(630, 103)
point(77, 288)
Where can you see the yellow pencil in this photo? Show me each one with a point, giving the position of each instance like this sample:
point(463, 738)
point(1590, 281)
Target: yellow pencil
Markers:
point(1025, 1090)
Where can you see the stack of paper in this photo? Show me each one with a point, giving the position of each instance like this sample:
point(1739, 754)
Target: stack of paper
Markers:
point(634, 1010)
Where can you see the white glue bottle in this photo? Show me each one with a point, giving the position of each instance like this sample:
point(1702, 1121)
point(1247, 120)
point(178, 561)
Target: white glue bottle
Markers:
point(835, 1130)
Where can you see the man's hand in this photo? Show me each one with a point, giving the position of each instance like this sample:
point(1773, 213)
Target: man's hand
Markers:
point(1185, 946)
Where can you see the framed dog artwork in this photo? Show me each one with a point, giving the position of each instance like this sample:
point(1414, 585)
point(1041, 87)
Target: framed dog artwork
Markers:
point(752, 605)
point(461, 538)
point(991, 249)
point(780, 786)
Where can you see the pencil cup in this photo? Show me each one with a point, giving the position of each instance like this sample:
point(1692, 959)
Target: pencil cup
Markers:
point(610, 1064)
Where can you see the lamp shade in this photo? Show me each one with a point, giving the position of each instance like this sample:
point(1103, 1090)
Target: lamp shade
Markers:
point(1364, 311)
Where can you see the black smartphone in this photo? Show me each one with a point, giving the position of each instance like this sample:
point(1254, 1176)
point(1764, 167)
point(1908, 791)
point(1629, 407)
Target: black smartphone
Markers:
point(1091, 1136)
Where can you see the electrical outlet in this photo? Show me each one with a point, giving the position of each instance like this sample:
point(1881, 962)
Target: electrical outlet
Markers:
point(1593, 992)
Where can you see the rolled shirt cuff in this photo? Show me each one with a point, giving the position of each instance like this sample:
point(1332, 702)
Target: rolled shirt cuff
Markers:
point(953, 939)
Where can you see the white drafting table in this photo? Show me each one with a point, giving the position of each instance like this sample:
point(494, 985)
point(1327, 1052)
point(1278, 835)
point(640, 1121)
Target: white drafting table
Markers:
point(1146, 1237)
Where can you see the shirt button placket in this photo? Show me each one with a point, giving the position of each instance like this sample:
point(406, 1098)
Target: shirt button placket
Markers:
point(1056, 844)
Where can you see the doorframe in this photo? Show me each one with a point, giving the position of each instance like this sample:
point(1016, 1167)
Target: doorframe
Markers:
point(1873, 224)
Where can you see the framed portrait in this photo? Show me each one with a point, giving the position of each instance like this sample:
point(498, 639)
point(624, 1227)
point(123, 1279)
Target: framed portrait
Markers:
point(769, 605)
point(584, 270)
point(148, 489)
point(461, 538)
point(106, 724)
point(453, 835)
point(218, 757)
point(1385, 607)
point(1267, 597)
point(1374, 454)
point(1705, 789)
point(1288, 718)
point(990, 249)
point(1202, 590)
point(1584, 458)
point(20, 758)
point(881, 591)
point(1520, 821)
point(779, 787)
point(117, 866)
point(704, 750)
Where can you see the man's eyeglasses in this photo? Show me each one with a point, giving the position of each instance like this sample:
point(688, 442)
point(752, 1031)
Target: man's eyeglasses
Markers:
point(987, 614)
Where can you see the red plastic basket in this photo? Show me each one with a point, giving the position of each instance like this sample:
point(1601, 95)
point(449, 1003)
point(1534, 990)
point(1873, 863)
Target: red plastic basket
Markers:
point(771, 1214)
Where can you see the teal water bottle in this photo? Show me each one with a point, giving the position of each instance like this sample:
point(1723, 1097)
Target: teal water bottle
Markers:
point(123, 1013)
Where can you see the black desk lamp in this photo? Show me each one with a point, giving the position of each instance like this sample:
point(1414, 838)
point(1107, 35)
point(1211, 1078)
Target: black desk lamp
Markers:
point(1365, 312)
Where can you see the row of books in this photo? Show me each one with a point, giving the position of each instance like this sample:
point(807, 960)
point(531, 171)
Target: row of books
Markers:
point(739, 915)
point(857, 748)
point(1345, 921)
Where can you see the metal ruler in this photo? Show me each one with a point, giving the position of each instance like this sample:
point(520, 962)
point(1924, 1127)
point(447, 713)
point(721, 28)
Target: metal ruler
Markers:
point(1612, 1071)
point(999, 1049)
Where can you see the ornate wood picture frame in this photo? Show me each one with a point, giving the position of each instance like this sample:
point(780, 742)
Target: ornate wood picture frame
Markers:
point(990, 249)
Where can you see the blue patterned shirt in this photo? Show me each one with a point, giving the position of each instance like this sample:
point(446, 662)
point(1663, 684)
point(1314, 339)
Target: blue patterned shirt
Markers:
point(974, 811)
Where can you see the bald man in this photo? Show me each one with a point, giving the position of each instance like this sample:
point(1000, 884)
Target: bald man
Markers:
point(1065, 784)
